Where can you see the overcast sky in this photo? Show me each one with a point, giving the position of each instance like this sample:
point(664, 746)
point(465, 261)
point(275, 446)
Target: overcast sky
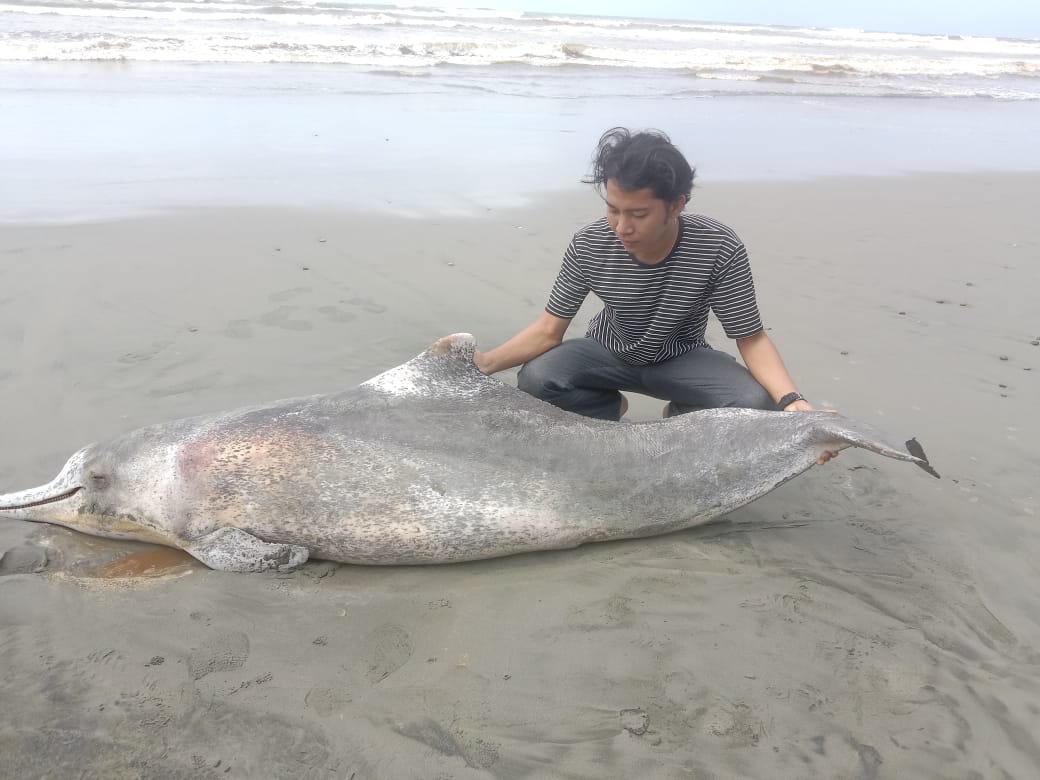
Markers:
point(1005, 18)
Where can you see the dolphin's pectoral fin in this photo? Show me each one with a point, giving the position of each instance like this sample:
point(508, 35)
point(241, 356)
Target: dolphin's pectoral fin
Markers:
point(232, 549)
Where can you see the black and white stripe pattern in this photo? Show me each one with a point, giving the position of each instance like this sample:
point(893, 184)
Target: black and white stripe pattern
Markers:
point(655, 312)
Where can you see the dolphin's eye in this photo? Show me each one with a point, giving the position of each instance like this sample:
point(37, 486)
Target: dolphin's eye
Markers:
point(98, 481)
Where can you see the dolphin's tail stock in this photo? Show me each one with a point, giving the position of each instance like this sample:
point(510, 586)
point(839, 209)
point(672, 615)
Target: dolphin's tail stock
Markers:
point(845, 431)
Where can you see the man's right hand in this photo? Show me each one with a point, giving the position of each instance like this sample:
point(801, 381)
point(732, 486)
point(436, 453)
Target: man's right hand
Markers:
point(481, 362)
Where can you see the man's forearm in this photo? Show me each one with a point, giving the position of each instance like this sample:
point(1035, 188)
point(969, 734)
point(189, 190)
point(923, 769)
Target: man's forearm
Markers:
point(518, 350)
point(539, 337)
point(765, 364)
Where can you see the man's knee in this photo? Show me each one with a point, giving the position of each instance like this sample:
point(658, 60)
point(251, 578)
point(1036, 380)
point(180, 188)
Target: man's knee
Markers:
point(536, 379)
point(747, 394)
point(751, 395)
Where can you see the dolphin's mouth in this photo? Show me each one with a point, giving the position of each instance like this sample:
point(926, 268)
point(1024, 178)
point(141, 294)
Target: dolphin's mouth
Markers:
point(42, 501)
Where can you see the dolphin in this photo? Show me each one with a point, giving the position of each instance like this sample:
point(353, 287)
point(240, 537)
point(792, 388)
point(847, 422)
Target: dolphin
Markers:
point(429, 462)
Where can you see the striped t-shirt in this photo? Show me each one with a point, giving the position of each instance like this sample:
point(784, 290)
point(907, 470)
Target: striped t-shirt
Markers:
point(655, 312)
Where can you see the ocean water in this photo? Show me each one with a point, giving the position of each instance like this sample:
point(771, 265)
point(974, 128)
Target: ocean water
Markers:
point(632, 56)
point(120, 107)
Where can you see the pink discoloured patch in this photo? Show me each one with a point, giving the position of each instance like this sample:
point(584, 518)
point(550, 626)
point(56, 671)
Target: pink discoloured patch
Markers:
point(197, 458)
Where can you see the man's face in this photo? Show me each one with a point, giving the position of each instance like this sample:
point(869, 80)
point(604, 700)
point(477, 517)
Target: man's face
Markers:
point(642, 222)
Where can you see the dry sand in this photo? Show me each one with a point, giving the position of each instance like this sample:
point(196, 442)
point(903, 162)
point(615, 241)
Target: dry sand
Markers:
point(863, 621)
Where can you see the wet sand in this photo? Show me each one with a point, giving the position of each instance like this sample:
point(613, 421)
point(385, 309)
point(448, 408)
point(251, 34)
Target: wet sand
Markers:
point(863, 620)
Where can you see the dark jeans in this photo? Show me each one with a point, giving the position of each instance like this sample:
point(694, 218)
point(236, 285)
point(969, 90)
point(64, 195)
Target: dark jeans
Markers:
point(583, 376)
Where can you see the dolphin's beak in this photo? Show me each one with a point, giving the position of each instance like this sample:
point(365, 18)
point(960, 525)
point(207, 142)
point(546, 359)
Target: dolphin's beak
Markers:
point(24, 504)
point(39, 504)
point(47, 502)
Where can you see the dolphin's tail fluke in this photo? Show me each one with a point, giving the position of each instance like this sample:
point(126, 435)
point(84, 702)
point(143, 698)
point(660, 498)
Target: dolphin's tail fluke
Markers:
point(914, 448)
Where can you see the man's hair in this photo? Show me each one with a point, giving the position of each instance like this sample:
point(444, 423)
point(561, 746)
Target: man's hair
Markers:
point(641, 160)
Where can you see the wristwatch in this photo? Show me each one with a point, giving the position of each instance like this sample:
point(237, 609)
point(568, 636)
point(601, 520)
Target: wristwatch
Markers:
point(789, 399)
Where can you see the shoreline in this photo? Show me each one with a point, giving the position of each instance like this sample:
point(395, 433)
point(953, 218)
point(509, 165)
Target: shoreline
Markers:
point(167, 137)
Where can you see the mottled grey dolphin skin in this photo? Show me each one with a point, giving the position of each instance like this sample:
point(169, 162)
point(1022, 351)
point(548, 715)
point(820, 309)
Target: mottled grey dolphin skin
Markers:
point(430, 462)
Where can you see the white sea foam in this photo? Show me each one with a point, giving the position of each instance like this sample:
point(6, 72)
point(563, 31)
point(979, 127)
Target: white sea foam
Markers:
point(783, 60)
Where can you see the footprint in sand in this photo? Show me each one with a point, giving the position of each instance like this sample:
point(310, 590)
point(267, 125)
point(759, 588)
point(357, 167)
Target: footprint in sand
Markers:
point(24, 559)
point(336, 314)
point(239, 329)
point(635, 721)
point(367, 304)
point(222, 653)
point(390, 649)
point(192, 385)
point(288, 295)
point(327, 701)
point(282, 318)
point(145, 354)
point(606, 613)
point(735, 723)
point(476, 751)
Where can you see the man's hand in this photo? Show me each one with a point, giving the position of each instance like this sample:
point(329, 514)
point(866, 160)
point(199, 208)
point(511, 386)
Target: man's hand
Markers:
point(480, 361)
point(805, 406)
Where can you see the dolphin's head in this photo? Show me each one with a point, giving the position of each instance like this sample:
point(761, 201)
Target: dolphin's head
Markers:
point(96, 493)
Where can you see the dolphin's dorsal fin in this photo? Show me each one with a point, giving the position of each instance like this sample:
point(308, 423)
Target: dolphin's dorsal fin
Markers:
point(444, 369)
point(460, 345)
